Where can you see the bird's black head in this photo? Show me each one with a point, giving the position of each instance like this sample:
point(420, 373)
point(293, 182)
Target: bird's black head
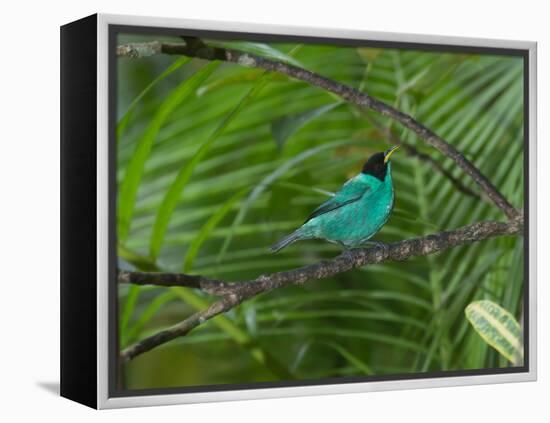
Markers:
point(377, 164)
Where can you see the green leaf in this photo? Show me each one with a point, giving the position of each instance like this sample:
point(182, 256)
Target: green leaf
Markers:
point(369, 54)
point(205, 231)
point(123, 121)
point(325, 332)
point(498, 328)
point(304, 188)
point(152, 308)
point(239, 335)
point(134, 170)
point(351, 295)
point(351, 358)
point(141, 262)
point(403, 214)
point(174, 193)
point(129, 306)
point(279, 316)
point(260, 49)
point(283, 128)
point(245, 76)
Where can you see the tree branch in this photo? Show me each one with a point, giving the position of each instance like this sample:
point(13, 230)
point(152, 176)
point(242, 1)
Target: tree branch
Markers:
point(232, 294)
point(210, 286)
point(412, 151)
point(235, 293)
point(438, 167)
point(194, 47)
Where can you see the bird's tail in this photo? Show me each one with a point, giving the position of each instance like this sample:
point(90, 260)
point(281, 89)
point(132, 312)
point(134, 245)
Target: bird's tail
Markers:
point(287, 240)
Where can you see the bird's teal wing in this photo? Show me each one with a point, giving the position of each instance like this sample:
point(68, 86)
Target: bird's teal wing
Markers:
point(352, 191)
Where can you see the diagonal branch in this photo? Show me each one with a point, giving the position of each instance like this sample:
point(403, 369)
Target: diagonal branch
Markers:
point(412, 151)
point(235, 293)
point(194, 47)
point(438, 167)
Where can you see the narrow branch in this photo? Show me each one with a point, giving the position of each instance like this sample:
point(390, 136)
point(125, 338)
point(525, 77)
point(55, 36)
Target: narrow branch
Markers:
point(196, 48)
point(426, 158)
point(438, 167)
point(210, 286)
point(237, 292)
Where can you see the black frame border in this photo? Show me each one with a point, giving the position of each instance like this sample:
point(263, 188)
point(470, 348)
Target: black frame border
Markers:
point(78, 211)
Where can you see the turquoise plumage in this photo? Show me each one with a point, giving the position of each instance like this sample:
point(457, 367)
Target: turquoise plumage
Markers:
point(356, 212)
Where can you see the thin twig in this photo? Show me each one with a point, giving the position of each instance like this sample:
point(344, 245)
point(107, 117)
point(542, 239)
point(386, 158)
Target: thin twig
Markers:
point(194, 47)
point(435, 165)
point(235, 293)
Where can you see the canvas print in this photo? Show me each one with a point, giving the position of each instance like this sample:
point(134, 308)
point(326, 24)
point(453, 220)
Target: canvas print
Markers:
point(298, 211)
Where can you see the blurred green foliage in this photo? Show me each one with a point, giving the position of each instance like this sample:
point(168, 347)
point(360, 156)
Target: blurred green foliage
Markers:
point(217, 161)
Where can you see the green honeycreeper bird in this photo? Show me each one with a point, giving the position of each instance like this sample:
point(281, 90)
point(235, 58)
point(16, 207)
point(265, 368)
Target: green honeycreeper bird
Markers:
point(356, 212)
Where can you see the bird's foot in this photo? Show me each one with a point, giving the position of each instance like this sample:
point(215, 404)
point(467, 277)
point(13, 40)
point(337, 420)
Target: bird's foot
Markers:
point(381, 245)
point(385, 248)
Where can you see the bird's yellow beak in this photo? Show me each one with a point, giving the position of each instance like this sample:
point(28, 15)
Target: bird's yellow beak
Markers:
point(389, 152)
